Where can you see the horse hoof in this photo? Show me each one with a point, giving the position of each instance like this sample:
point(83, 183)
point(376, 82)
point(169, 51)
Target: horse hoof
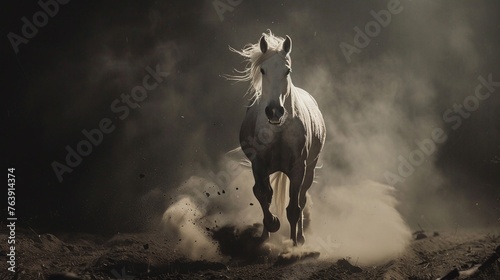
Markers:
point(273, 225)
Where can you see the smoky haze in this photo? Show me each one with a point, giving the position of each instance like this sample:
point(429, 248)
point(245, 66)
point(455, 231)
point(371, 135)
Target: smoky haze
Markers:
point(168, 152)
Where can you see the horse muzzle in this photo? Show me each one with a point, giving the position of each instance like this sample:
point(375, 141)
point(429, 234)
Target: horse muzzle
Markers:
point(275, 114)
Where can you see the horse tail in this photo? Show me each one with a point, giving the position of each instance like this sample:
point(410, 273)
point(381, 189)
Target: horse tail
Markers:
point(279, 182)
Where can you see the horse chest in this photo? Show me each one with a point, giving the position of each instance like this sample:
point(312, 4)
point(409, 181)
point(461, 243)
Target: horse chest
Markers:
point(278, 146)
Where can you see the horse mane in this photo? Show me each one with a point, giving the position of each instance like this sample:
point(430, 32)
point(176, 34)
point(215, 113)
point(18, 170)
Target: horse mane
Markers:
point(312, 120)
point(254, 58)
point(302, 101)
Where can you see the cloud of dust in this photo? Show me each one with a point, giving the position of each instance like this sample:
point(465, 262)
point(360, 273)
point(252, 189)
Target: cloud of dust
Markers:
point(351, 214)
point(205, 203)
point(358, 222)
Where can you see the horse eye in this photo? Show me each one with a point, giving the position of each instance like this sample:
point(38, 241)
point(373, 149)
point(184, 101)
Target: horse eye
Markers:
point(262, 71)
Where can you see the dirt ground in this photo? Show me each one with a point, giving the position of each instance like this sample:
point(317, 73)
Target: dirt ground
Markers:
point(152, 256)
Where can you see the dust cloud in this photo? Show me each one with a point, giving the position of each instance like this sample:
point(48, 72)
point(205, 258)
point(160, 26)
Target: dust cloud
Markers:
point(205, 204)
point(350, 215)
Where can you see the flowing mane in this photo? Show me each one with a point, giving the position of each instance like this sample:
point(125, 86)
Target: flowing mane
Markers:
point(254, 58)
point(312, 119)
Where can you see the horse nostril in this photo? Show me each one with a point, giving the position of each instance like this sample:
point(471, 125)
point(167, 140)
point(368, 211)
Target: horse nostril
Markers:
point(281, 111)
point(269, 112)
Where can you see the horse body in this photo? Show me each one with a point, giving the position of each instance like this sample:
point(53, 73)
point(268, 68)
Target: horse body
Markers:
point(283, 131)
point(279, 147)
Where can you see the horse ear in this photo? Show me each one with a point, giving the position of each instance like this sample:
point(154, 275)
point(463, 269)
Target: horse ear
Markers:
point(263, 44)
point(287, 45)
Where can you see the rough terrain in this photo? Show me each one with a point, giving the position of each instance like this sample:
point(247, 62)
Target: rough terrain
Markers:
point(152, 256)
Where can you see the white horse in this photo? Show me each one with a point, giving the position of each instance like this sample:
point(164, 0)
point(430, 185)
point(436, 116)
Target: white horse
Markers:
point(283, 131)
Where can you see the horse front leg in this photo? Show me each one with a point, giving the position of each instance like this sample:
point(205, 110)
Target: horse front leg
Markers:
point(308, 179)
point(293, 211)
point(264, 194)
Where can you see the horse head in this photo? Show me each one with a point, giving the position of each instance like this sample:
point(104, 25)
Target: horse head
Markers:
point(275, 71)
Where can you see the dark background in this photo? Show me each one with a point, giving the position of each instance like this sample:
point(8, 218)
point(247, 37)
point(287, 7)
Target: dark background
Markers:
point(66, 77)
